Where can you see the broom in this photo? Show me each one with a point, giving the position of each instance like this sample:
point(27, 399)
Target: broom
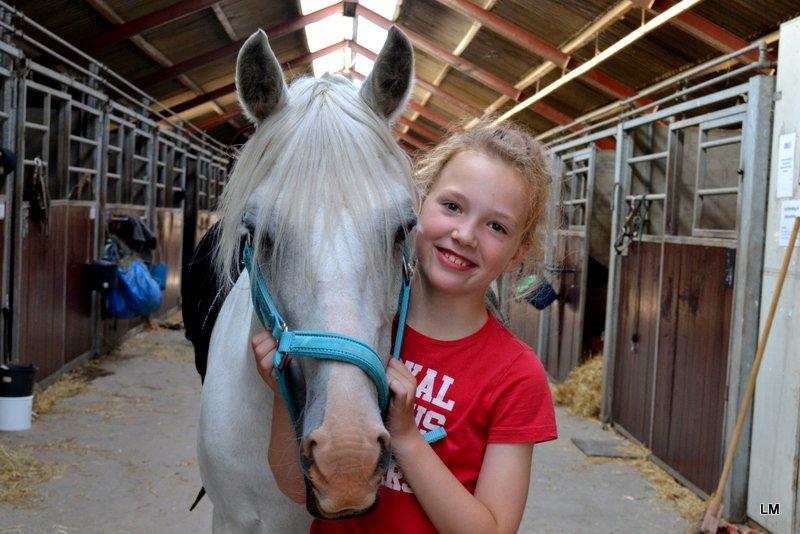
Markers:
point(714, 511)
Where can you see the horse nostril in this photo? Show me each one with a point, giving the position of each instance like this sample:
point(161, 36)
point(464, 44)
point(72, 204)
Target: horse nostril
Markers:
point(384, 445)
point(308, 448)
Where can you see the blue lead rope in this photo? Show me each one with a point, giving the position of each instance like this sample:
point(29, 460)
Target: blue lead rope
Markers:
point(327, 346)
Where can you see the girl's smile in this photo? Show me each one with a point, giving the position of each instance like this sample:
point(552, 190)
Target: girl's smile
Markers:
point(452, 260)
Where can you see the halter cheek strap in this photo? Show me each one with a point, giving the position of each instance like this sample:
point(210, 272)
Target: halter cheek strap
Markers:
point(327, 346)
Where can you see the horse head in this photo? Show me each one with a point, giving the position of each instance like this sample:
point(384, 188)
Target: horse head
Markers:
point(327, 199)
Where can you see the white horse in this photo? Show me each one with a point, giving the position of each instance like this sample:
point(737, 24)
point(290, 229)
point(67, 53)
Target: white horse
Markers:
point(328, 199)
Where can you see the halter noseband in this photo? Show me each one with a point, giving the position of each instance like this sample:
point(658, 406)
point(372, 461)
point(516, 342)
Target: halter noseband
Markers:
point(327, 346)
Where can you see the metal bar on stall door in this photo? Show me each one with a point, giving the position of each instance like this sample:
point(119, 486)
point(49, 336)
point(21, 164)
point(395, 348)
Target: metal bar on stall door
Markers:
point(587, 213)
point(756, 144)
point(9, 126)
point(619, 191)
point(15, 256)
point(150, 190)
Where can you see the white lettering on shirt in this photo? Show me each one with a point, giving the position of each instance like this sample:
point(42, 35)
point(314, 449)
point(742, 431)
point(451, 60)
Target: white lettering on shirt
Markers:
point(434, 392)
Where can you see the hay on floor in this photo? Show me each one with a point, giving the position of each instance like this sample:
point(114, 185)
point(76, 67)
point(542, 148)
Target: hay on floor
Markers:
point(665, 487)
point(69, 385)
point(20, 473)
point(580, 393)
point(688, 504)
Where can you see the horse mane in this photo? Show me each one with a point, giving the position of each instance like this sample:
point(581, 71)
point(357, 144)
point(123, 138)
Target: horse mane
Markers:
point(325, 147)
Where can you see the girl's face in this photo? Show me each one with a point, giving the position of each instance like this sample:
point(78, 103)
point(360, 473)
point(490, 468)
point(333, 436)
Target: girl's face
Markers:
point(470, 225)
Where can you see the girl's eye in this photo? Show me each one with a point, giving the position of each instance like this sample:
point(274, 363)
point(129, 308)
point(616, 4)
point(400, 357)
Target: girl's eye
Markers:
point(497, 227)
point(451, 206)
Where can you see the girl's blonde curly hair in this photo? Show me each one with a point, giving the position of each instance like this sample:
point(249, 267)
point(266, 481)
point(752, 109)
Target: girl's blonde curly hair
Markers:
point(514, 145)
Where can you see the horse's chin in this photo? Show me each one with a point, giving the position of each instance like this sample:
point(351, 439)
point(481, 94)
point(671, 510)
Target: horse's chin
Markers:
point(313, 507)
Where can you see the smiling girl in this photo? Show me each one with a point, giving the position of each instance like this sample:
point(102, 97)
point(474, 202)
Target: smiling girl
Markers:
point(485, 194)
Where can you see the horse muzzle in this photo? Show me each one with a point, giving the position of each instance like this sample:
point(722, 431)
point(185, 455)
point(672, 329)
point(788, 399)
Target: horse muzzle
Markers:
point(343, 473)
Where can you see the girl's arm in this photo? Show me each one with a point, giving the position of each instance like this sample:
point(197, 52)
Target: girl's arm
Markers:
point(283, 454)
point(502, 489)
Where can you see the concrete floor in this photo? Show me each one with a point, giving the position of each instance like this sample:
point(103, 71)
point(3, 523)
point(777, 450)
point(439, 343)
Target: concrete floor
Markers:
point(127, 444)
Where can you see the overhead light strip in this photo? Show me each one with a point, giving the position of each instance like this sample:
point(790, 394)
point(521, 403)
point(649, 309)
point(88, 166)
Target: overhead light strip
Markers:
point(582, 69)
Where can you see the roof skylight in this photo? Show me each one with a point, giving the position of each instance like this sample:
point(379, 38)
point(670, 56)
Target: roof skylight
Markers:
point(336, 28)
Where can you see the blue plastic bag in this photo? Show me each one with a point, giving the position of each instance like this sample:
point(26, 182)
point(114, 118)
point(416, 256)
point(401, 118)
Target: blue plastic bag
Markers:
point(543, 296)
point(136, 293)
point(159, 273)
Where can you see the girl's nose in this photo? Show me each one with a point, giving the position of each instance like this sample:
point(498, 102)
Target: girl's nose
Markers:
point(464, 237)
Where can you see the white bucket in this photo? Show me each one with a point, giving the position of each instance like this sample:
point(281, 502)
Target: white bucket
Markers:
point(15, 413)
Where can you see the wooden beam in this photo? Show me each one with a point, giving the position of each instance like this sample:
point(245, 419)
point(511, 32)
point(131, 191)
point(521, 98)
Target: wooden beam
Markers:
point(606, 82)
point(231, 49)
point(510, 31)
point(145, 22)
point(145, 46)
point(534, 44)
point(420, 129)
point(462, 45)
point(450, 97)
point(203, 98)
point(706, 31)
point(213, 122)
point(437, 51)
point(410, 150)
point(431, 115)
point(224, 22)
point(413, 141)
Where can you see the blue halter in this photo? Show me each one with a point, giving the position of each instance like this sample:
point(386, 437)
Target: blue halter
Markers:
point(327, 346)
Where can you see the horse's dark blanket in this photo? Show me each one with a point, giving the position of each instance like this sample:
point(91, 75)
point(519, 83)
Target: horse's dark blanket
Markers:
point(202, 297)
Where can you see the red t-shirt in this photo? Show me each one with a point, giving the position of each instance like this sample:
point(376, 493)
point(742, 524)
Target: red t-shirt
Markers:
point(488, 387)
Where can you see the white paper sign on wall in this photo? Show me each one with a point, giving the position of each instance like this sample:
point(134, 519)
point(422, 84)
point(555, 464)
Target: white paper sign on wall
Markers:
point(786, 172)
point(790, 210)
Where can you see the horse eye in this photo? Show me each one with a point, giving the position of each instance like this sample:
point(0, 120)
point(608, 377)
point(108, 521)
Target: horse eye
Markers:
point(400, 235)
point(404, 230)
point(266, 241)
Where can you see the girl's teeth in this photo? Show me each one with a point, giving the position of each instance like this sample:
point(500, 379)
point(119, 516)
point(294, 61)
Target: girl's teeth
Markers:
point(453, 259)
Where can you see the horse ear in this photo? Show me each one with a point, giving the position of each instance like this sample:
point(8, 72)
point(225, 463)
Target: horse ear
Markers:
point(259, 78)
point(387, 88)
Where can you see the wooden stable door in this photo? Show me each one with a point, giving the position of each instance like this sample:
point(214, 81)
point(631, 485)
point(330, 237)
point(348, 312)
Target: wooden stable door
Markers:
point(676, 291)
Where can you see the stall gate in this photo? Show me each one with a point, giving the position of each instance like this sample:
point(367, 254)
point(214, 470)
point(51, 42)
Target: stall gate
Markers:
point(689, 208)
point(59, 160)
point(566, 265)
point(575, 262)
point(84, 160)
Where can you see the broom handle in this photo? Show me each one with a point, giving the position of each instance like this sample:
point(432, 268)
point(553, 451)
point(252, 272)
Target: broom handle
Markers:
point(751, 383)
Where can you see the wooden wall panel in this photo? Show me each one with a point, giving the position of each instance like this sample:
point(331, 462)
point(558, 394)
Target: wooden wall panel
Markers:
point(41, 321)
point(524, 322)
point(633, 363)
point(79, 251)
point(688, 429)
point(563, 344)
point(169, 251)
point(204, 222)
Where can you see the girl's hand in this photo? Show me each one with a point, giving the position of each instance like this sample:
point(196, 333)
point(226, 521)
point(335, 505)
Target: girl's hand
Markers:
point(264, 346)
point(403, 385)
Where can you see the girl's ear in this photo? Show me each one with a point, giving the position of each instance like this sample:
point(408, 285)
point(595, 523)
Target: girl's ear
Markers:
point(517, 258)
